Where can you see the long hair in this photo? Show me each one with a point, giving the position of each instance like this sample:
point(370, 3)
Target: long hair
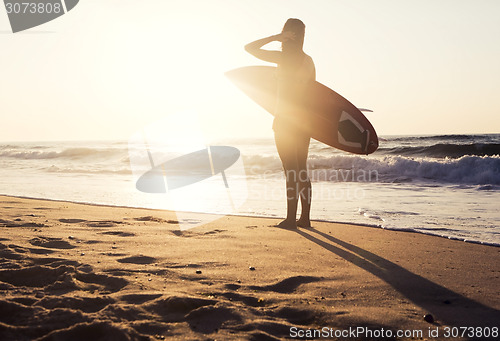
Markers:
point(292, 48)
point(298, 28)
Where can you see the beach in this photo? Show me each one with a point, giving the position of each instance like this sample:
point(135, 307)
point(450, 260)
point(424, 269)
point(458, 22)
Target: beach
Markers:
point(80, 271)
point(450, 183)
point(150, 151)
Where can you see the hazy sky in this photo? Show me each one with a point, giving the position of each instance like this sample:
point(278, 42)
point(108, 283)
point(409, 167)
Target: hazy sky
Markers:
point(109, 67)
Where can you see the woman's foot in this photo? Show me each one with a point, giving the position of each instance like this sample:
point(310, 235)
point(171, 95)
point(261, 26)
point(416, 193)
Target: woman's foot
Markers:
point(305, 223)
point(288, 224)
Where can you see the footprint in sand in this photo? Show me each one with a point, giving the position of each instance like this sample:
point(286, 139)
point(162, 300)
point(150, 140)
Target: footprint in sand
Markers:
point(36, 298)
point(119, 233)
point(7, 223)
point(103, 223)
point(113, 254)
point(138, 260)
point(55, 262)
point(92, 241)
point(19, 223)
point(287, 285)
point(245, 299)
point(156, 220)
point(9, 256)
point(188, 234)
point(85, 304)
point(216, 231)
point(61, 278)
point(39, 251)
point(72, 221)
point(210, 318)
point(175, 307)
point(139, 298)
point(92, 223)
point(296, 315)
point(34, 276)
point(232, 287)
point(181, 233)
point(51, 243)
point(31, 224)
point(181, 266)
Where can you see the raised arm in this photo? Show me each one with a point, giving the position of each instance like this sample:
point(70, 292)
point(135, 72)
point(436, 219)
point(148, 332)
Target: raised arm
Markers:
point(254, 48)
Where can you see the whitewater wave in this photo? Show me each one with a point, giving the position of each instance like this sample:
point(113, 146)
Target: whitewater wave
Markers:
point(473, 170)
point(442, 150)
point(68, 170)
point(69, 153)
point(448, 138)
point(450, 160)
point(469, 170)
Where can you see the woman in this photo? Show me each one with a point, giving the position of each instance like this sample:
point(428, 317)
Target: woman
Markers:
point(295, 72)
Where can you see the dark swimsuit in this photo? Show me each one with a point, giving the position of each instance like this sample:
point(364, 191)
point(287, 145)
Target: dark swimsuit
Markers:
point(292, 141)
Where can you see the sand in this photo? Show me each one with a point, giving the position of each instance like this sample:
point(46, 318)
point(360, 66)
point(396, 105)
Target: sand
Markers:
point(85, 272)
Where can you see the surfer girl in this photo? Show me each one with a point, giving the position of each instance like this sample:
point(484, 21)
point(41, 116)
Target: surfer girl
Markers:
point(294, 73)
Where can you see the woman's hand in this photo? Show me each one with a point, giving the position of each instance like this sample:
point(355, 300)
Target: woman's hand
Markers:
point(255, 48)
point(285, 36)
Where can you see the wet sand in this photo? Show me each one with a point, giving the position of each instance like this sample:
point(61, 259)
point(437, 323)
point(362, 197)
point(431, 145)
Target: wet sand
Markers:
point(78, 272)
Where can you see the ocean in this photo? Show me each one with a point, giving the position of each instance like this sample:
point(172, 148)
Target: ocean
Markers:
point(446, 185)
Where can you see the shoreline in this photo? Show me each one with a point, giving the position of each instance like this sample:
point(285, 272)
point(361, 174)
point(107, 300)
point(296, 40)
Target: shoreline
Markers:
point(264, 217)
point(131, 273)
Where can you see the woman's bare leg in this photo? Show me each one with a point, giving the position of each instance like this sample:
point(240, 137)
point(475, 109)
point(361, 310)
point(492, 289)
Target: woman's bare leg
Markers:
point(285, 144)
point(305, 188)
point(292, 200)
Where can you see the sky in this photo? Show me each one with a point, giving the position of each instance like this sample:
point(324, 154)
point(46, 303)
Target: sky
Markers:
point(108, 68)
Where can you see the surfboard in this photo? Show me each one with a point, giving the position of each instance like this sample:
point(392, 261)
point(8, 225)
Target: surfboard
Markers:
point(330, 118)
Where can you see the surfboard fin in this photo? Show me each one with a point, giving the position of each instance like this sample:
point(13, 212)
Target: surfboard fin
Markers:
point(365, 139)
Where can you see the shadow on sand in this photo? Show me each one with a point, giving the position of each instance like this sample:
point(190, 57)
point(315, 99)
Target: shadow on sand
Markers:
point(447, 306)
